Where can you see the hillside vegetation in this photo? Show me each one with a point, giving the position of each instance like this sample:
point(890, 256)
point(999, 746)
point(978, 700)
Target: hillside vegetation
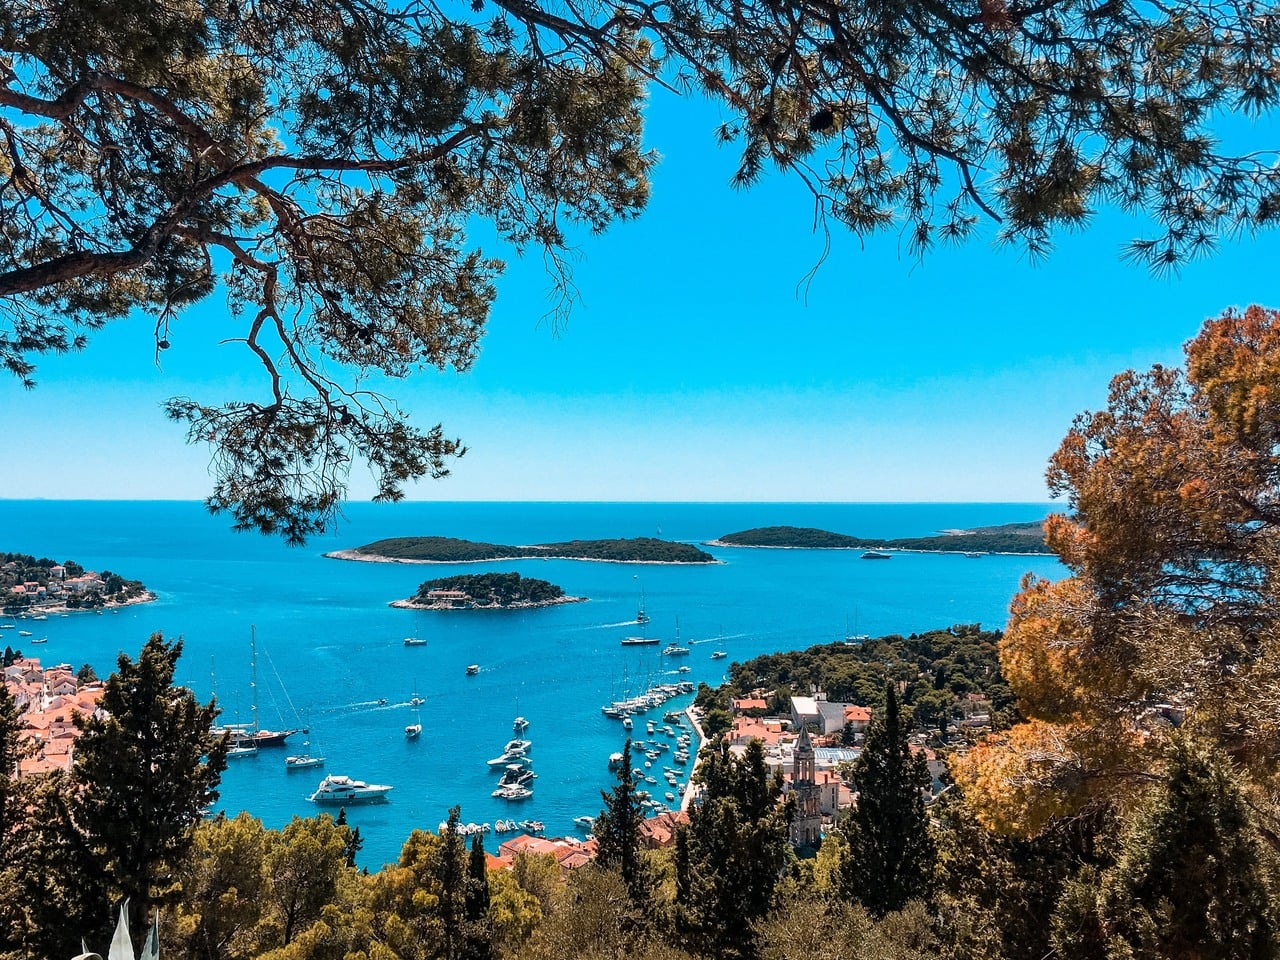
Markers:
point(494, 590)
point(450, 550)
point(1006, 538)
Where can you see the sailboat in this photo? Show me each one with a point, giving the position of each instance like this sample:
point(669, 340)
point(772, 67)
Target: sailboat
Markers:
point(255, 736)
point(413, 730)
point(641, 616)
point(305, 759)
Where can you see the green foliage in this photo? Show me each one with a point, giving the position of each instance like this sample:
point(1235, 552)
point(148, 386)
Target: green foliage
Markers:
point(494, 589)
point(890, 857)
point(731, 855)
point(143, 771)
point(1189, 881)
point(1007, 538)
point(29, 569)
point(804, 930)
point(715, 722)
point(937, 666)
point(617, 833)
point(448, 549)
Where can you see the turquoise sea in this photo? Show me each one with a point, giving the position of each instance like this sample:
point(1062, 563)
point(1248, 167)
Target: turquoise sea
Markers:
point(331, 650)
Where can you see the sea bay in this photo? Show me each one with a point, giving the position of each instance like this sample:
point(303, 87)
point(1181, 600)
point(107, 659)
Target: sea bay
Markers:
point(331, 650)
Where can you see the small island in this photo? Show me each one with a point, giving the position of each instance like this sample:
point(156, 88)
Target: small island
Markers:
point(485, 591)
point(1021, 538)
point(31, 585)
point(451, 550)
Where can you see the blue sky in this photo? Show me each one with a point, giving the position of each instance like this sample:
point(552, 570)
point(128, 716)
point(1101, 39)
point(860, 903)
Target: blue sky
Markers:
point(699, 365)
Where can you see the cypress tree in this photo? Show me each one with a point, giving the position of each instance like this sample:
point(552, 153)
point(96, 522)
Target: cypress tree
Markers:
point(144, 769)
point(891, 854)
point(617, 831)
point(478, 942)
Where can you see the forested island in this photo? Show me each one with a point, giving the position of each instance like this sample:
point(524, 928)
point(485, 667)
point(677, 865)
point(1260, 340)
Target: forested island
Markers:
point(452, 550)
point(485, 591)
point(1005, 538)
point(41, 585)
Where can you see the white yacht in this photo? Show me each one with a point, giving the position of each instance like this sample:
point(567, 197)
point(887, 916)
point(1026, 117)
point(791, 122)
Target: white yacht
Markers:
point(302, 761)
point(339, 789)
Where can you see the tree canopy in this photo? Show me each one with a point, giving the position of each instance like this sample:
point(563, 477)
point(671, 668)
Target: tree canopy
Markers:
point(1169, 619)
point(319, 165)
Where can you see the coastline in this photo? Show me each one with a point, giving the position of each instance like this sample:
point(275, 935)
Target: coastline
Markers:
point(61, 608)
point(521, 605)
point(378, 558)
point(957, 552)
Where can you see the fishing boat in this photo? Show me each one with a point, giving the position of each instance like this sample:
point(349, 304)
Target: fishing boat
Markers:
point(339, 789)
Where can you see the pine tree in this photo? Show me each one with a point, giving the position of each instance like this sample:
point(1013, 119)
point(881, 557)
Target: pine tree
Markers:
point(1188, 884)
point(891, 855)
point(144, 769)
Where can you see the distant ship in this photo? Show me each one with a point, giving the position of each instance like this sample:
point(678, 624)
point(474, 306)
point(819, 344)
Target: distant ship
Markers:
point(640, 641)
point(874, 555)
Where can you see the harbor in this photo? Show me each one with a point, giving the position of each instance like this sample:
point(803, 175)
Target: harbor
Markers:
point(324, 629)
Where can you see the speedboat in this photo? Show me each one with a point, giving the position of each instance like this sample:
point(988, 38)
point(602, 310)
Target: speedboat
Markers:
point(339, 789)
point(414, 642)
point(473, 669)
point(718, 655)
point(584, 822)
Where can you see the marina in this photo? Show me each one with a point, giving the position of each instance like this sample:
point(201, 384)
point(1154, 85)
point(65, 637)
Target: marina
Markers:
point(340, 650)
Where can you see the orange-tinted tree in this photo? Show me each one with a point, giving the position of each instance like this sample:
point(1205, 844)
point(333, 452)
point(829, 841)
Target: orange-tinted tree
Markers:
point(1169, 617)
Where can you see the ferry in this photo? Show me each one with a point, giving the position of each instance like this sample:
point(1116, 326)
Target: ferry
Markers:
point(339, 789)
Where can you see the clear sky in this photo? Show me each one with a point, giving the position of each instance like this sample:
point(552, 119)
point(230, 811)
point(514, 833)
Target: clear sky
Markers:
point(700, 365)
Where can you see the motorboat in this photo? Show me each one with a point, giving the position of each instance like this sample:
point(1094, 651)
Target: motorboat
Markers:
point(239, 752)
point(40, 640)
point(584, 822)
point(615, 761)
point(302, 761)
point(339, 789)
point(415, 641)
point(513, 793)
point(684, 669)
point(473, 669)
point(640, 641)
point(675, 650)
point(718, 655)
point(24, 633)
point(876, 555)
point(412, 730)
point(532, 826)
point(626, 723)
point(518, 746)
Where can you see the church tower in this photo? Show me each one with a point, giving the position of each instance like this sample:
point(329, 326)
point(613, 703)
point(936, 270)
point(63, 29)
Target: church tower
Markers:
point(807, 825)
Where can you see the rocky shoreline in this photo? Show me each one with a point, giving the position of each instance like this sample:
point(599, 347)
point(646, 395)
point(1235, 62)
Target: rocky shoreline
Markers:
point(60, 608)
point(444, 605)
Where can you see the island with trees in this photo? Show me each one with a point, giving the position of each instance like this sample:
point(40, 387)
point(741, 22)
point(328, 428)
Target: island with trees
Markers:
point(451, 550)
point(1005, 538)
point(485, 591)
point(40, 585)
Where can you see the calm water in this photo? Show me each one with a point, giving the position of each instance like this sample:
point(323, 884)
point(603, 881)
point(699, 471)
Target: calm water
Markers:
point(330, 649)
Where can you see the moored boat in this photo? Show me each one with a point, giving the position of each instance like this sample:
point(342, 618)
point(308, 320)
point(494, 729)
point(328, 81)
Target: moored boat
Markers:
point(340, 789)
point(674, 650)
point(876, 555)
